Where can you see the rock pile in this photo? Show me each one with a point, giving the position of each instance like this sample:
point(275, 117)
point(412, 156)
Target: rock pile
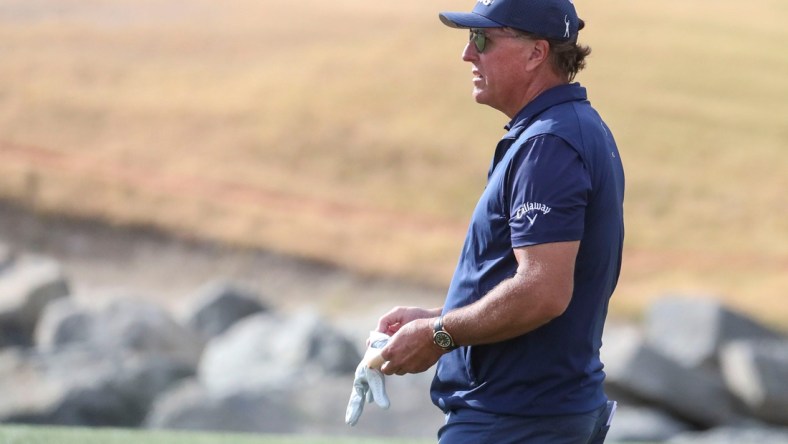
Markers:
point(230, 363)
point(696, 372)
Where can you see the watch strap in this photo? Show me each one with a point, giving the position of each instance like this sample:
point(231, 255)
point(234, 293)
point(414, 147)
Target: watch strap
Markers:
point(440, 336)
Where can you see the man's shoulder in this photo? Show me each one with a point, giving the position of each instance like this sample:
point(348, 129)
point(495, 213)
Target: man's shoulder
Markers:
point(558, 125)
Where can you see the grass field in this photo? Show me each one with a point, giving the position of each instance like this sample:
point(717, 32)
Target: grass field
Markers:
point(15, 434)
point(76, 435)
point(347, 132)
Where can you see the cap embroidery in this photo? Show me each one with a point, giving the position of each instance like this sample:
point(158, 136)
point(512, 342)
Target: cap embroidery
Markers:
point(486, 2)
point(566, 22)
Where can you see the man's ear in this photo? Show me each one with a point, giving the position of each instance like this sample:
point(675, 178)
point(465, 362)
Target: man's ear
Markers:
point(539, 54)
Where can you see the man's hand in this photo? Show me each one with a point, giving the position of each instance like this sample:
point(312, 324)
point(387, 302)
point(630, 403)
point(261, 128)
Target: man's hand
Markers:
point(411, 349)
point(392, 321)
point(368, 385)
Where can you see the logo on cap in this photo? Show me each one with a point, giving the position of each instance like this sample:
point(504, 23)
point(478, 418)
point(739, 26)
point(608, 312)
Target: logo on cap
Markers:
point(486, 2)
point(566, 22)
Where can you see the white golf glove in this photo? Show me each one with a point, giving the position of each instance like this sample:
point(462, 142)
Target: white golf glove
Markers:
point(368, 385)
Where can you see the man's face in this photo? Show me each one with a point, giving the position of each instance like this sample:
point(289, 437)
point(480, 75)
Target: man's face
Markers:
point(500, 77)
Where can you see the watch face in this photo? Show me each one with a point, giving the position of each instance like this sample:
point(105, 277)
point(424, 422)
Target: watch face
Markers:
point(443, 339)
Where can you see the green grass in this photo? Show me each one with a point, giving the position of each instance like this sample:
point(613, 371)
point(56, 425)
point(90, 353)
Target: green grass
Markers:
point(13, 434)
point(18, 434)
point(347, 132)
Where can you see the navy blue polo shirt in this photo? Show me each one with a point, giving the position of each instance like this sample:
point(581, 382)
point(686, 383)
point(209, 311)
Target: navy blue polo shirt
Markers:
point(556, 176)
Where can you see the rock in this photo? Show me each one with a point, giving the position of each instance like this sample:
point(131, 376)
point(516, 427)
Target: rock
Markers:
point(64, 322)
point(314, 406)
point(146, 328)
point(172, 409)
point(730, 435)
point(82, 386)
point(98, 367)
point(692, 330)
point(121, 324)
point(192, 407)
point(220, 304)
point(144, 378)
point(635, 367)
point(644, 424)
point(326, 347)
point(7, 257)
point(321, 403)
point(246, 355)
point(25, 289)
point(757, 373)
point(27, 393)
point(267, 350)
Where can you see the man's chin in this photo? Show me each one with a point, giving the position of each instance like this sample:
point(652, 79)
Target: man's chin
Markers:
point(478, 96)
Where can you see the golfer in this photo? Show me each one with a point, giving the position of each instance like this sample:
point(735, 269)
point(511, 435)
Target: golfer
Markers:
point(517, 341)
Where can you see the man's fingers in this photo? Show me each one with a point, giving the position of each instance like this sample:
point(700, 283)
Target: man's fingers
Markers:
point(388, 329)
point(392, 321)
point(375, 361)
point(388, 369)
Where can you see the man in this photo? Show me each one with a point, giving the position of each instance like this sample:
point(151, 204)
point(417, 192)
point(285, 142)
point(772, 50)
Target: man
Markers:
point(517, 341)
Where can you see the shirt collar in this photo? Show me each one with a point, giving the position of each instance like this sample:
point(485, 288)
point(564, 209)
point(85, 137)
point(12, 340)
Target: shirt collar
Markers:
point(558, 94)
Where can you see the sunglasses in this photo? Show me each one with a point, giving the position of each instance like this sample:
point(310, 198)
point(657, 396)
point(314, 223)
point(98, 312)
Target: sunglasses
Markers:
point(479, 38)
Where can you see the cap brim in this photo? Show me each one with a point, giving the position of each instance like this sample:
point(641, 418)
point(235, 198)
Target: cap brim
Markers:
point(464, 20)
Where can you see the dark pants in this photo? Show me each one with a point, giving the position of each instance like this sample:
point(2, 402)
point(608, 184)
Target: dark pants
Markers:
point(472, 427)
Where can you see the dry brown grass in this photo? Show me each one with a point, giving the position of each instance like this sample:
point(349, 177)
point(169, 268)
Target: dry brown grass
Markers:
point(345, 131)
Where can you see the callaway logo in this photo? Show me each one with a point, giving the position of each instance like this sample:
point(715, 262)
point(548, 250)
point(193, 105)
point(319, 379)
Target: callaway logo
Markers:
point(534, 208)
point(486, 2)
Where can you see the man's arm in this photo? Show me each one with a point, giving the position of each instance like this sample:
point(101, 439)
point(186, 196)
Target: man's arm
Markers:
point(539, 292)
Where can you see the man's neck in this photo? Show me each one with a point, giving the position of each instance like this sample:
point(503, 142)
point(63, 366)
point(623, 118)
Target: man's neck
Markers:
point(533, 90)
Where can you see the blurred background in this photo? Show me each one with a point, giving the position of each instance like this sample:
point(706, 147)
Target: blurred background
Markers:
point(155, 144)
point(347, 133)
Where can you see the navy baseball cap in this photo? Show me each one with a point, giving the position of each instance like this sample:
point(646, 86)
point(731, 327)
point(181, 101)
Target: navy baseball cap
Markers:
point(552, 19)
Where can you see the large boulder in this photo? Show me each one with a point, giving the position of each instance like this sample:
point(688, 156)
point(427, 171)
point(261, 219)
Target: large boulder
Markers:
point(639, 423)
point(691, 331)
point(99, 366)
point(757, 373)
point(28, 394)
point(321, 403)
point(637, 368)
point(82, 386)
point(64, 322)
point(315, 405)
point(218, 305)
point(268, 350)
point(190, 406)
point(7, 257)
point(26, 287)
point(734, 435)
point(123, 323)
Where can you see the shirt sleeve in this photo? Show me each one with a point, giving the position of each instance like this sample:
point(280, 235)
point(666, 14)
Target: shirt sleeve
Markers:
point(547, 191)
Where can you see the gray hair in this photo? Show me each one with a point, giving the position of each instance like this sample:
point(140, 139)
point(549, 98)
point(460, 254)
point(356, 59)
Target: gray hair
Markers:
point(567, 57)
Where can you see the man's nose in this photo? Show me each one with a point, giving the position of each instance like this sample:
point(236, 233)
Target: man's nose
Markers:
point(469, 53)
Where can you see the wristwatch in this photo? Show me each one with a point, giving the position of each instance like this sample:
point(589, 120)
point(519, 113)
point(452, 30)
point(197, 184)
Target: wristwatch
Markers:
point(441, 337)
